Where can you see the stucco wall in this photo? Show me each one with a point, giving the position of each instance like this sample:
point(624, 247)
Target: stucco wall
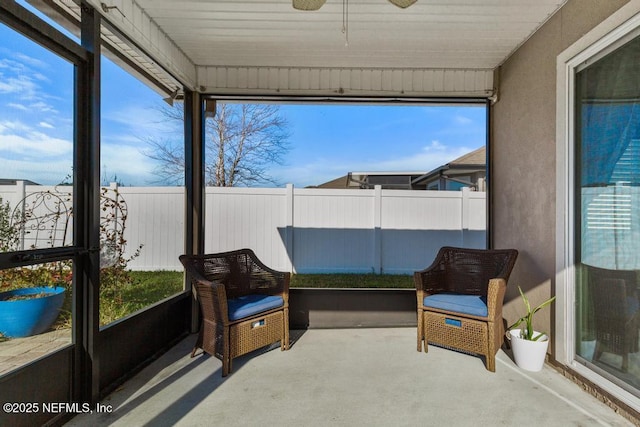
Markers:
point(523, 150)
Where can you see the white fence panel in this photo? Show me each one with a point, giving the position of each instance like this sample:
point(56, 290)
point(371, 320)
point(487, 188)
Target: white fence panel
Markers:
point(333, 231)
point(247, 218)
point(415, 224)
point(301, 230)
point(155, 221)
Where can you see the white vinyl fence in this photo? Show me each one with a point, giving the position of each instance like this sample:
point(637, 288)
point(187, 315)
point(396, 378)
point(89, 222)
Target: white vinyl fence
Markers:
point(302, 230)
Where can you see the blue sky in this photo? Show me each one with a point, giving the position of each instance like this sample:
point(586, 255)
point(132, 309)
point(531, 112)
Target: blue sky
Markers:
point(327, 141)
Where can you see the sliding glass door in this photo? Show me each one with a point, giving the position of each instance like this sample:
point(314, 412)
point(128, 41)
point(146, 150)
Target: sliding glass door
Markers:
point(607, 217)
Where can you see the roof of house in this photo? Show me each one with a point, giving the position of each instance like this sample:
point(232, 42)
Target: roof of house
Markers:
point(10, 181)
point(341, 182)
point(471, 161)
point(476, 159)
point(358, 179)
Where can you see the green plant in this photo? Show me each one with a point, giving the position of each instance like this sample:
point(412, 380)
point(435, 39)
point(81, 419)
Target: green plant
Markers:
point(351, 280)
point(9, 235)
point(527, 331)
point(115, 277)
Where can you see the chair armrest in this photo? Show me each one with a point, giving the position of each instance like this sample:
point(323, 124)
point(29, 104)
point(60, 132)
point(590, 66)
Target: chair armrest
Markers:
point(211, 296)
point(213, 301)
point(430, 280)
point(276, 282)
point(284, 289)
point(495, 298)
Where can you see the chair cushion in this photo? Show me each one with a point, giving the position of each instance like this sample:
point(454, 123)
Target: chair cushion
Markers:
point(473, 305)
point(248, 305)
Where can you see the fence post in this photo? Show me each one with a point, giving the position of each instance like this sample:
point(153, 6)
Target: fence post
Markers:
point(377, 230)
point(21, 194)
point(113, 187)
point(289, 228)
point(465, 193)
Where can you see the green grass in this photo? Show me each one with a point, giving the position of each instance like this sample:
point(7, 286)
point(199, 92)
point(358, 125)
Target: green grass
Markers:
point(155, 284)
point(351, 281)
point(147, 287)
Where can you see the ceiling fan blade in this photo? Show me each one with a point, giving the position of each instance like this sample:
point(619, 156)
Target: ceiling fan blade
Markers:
point(308, 4)
point(403, 3)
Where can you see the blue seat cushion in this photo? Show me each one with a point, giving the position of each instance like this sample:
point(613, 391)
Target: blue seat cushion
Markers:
point(248, 305)
point(473, 305)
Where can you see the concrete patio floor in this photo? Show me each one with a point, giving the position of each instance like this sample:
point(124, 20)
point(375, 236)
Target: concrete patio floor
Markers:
point(348, 377)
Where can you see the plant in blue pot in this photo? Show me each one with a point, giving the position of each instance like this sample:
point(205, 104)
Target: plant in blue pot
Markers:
point(32, 297)
point(35, 301)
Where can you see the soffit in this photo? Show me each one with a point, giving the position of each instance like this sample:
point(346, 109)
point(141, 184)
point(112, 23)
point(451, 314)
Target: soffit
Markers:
point(467, 34)
point(434, 47)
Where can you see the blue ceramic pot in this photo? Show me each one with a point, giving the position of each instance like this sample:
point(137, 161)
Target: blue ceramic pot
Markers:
point(32, 316)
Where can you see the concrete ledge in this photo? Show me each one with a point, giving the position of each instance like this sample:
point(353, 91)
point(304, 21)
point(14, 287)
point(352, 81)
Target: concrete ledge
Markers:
point(351, 308)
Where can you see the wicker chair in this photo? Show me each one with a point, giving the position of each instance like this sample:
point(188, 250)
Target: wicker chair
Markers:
point(244, 304)
point(460, 300)
point(616, 312)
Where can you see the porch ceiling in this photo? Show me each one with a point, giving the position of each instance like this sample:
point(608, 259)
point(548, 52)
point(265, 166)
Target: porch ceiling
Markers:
point(429, 34)
point(227, 44)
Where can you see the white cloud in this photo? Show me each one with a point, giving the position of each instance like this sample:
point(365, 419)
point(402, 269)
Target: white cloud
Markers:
point(19, 139)
point(48, 173)
point(462, 120)
point(137, 126)
point(20, 77)
point(431, 157)
point(140, 116)
point(128, 163)
point(434, 146)
point(34, 62)
point(28, 153)
point(10, 64)
point(22, 86)
point(17, 106)
point(43, 107)
point(13, 126)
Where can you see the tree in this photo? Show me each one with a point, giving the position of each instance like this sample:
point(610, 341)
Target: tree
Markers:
point(242, 142)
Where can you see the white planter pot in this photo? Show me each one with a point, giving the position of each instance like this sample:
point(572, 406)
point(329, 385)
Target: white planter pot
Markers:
point(529, 355)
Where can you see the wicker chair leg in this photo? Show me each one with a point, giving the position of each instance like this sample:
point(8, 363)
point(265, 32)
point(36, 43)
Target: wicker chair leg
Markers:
point(491, 349)
point(420, 330)
point(198, 343)
point(491, 362)
point(226, 353)
point(225, 366)
point(425, 338)
point(284, 344)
